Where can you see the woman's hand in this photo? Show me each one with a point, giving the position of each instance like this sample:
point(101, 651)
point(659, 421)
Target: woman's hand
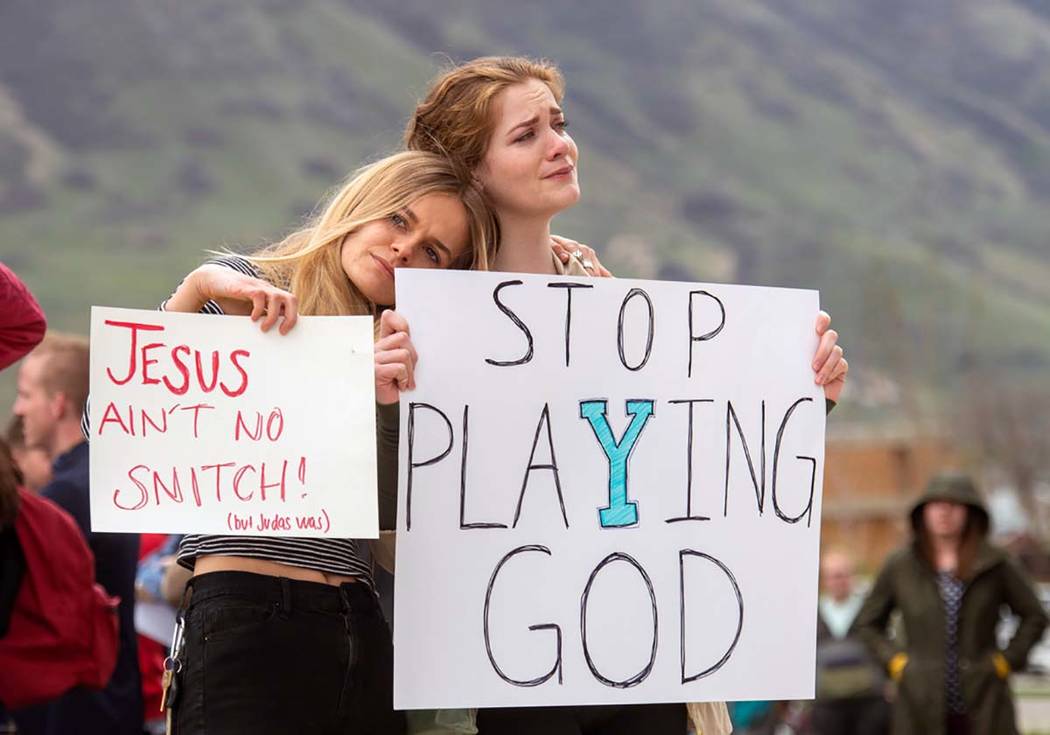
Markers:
point(395, 358)
point(829, 364)
point(236, 293)
point(563, 247)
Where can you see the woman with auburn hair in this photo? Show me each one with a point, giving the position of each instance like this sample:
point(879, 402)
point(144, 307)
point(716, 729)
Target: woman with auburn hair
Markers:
point(949, 586)
point(501, 119)
point(285, 634)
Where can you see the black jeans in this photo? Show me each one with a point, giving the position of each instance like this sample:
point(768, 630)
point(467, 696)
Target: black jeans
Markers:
point(650, 719)
point(272, 655)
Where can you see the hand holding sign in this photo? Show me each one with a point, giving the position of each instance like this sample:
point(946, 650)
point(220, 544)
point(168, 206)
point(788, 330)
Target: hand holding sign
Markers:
point(395, 358)
point(236, 293)
point(206, 424)
point(829, 364)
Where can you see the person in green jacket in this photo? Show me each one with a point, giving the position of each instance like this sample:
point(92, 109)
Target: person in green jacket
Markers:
point(949, 586)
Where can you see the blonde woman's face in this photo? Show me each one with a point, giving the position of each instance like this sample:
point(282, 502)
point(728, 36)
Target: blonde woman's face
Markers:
point(431, 232)
point(529, 168)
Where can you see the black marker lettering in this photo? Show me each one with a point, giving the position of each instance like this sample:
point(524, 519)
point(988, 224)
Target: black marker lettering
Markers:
point(556, 669)
point(681, 597)
point(412, 464)
point(689, 464)
point(644, 673)
point(619, 328)
point(545, 420)
point(517, 322)
point(568, 310)
point(463, 483)
point(808, 510)
point(703, 337)
point(760, 487)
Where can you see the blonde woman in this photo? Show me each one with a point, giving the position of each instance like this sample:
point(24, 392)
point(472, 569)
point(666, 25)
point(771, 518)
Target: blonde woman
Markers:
point(285, 634)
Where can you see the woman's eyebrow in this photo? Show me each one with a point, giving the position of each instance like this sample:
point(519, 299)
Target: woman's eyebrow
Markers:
point(531, 121)
point(555, 112)
point(436, 242)
point(441, 246)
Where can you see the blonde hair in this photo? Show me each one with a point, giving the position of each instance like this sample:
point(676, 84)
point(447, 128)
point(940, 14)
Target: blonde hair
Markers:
point(308, 262)
point(456, 117)
point(66, 368)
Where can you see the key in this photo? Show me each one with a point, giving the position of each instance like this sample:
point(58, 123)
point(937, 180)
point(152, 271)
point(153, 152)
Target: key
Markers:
point(165, 685)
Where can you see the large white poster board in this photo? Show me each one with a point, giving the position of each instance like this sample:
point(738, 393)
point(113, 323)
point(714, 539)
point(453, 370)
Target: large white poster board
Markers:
point(609, 492)
point(203, 424)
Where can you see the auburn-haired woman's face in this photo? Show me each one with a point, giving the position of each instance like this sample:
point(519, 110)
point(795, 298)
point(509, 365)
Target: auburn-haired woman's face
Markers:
point(530, 165)
point(431, 232)
point(944, 518)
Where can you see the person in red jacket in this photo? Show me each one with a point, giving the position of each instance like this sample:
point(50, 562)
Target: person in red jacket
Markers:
point(22, 326)
point(52, 390)
point(22, 323)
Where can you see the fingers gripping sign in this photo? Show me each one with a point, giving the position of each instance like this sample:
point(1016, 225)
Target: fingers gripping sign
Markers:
point(237, 293)
point(395, 358)
point(829, 365)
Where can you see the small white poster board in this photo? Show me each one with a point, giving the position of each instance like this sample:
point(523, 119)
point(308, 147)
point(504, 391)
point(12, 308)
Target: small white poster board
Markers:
point(609, 492)
point(204, 424)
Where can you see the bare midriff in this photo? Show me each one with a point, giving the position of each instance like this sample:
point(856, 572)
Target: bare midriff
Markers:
point(219, 563)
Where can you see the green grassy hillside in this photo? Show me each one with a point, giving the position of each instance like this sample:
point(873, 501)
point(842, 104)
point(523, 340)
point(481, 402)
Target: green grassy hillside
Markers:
point(895, 155)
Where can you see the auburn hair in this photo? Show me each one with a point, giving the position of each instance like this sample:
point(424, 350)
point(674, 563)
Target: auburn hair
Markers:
point(456, 117)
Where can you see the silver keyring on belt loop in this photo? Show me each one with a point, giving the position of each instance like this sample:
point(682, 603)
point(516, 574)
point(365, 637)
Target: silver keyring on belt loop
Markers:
point(173, 662)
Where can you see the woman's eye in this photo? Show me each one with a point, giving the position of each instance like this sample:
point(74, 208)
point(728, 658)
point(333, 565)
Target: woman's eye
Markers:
point(525, 136)
point(399, 221)
point(433, 255)
point(561, 125)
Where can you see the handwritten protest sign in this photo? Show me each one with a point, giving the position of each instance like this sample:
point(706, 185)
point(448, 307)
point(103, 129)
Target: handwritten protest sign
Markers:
point(204, 424)
point(609, 492)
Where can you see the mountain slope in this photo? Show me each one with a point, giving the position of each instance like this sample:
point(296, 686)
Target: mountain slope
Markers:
point(896, 156)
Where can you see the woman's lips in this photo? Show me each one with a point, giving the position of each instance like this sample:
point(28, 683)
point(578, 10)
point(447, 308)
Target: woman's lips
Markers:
point(384, 266)
point(563, 172)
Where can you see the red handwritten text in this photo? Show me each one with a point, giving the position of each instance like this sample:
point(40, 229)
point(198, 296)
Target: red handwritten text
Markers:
point(275, 522)
point(274, 426)
point(148, 421)
point(176, 377)
point(221, 482)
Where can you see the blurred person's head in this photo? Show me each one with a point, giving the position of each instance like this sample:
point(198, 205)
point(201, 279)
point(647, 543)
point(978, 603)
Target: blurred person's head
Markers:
point(52, 391)
point(836, 575)
point(411, 209)
point(500, 118)
point(32, 462)
point(950, 513)
point(945, 520)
